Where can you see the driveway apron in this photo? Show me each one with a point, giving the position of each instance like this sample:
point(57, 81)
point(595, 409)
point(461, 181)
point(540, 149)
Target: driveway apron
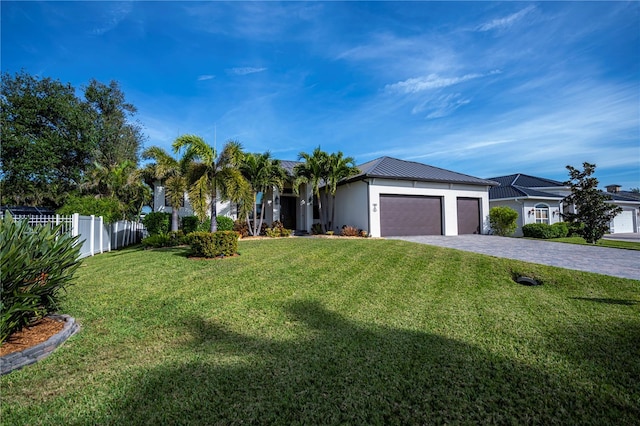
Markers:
point(601, 260)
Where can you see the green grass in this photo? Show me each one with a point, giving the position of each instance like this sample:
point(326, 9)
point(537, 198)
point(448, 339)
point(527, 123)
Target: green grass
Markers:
point(332, 331)
point(628, 245)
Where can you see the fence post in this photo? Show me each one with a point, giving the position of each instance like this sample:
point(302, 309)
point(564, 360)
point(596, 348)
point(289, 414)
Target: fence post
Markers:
point(92, 236)
point(75, 225)
point(100, 232)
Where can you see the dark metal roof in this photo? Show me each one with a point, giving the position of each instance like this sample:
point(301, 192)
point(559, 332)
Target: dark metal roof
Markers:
point(624, 196)
point(527, 181)
point(393, 168)
point(288, 165)
point(522, 186)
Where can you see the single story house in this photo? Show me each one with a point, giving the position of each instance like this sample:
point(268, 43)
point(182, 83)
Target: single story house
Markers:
point(541, 200)
point(389, 197)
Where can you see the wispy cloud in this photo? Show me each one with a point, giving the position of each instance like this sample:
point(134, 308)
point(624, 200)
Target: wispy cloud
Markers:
point(206, 77)
point(507, 21)
point(112, 17)
point(431, 81)
point(245, 70)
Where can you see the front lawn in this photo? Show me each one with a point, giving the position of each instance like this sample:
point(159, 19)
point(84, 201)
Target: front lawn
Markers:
point(629, 245)
point(335, 331)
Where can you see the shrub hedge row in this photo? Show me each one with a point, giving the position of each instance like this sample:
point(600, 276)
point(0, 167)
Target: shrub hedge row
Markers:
point(207, 244)
point(545, 231)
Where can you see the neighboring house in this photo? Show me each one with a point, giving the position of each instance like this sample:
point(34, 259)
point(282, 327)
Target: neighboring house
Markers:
point(541, 200)
point(390, 197)
point(629, 219)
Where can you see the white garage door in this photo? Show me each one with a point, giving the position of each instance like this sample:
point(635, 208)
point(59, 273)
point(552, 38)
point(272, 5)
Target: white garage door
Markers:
point(623, 222)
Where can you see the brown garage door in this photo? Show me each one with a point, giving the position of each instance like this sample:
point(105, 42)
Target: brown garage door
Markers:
point(468, 216)
point(410, 215)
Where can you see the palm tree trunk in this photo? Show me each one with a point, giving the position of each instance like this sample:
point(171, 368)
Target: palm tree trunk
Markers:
point(214, 213)
point(333, 212)
point(261, 215)
point(174, 219)
point(322, 225)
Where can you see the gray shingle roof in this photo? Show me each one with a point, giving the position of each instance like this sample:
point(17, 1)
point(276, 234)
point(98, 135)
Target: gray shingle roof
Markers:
point(393, 168)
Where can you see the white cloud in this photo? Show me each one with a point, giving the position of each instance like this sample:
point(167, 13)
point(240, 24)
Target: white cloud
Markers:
point(206, 77)
point(113, 17)
point(431, 82)
point(506, 22)
point(245, 70)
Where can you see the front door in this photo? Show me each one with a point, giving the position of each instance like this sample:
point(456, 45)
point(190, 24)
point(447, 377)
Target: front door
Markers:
point(288, 212)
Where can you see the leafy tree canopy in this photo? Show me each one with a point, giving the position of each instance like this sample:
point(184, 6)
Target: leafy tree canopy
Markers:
point(47, 141)
point(53, 141)
point(592, 211)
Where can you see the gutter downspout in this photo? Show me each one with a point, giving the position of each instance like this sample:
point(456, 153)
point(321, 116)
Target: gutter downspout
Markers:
point(368, 206)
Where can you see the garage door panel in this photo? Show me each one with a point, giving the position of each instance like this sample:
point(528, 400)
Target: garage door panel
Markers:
point(410, 215)
point(623, 222)
point(468, 216)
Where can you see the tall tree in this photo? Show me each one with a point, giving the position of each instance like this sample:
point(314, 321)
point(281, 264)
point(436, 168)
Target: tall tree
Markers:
point(339, 167)
point(262, 173)
point(117, 138)
point(212, 173)
point(313, 171)
point(593, 212)
point(47, 140)
point(174, 175)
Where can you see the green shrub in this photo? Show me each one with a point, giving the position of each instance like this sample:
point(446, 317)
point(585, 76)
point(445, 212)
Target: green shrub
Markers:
point(109, 208)
point(170, 239)
point(545, 231)
point(207, 244)
point(190, 224)
point(316, 229)
point(503, 220)
point(157, 223)
point(561, 229)
point(36, 263)
point(277, 230)
point(224, 223)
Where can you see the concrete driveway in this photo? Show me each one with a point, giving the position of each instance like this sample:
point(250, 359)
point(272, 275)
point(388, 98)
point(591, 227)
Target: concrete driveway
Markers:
point(601, 260)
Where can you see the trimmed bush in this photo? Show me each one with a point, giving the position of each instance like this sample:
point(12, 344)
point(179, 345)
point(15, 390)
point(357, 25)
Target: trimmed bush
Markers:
point(190, 224)
point(36, 263)
point(224, 223)
point(207, 244)
point(545, 231)
point(503, 220)
point(561, 229)
point(157, 223)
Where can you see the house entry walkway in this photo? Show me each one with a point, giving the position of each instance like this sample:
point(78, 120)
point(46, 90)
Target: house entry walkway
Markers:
point(601, 260)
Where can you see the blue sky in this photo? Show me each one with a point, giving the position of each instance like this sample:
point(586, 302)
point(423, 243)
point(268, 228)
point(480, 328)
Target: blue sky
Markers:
point(480, 88)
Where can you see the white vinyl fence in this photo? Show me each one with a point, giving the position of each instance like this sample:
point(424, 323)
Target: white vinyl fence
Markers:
point(95, 235)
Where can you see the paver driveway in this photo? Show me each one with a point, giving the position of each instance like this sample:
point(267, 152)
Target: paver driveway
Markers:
point(601, 260)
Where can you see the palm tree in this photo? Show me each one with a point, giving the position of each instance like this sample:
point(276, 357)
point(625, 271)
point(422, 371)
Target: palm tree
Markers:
point(261, 172)
point(211, 173)
point(313, 171)
point(338, 168)
point(174, 174)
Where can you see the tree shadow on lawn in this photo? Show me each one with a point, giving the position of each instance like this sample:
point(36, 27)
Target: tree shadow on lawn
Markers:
point(334, 370)
point(627, 302)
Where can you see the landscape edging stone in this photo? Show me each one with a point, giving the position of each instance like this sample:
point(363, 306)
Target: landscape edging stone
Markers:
point(17, 360)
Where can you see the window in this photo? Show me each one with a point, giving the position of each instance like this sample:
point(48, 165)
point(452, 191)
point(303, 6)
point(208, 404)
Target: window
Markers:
point(542, 213)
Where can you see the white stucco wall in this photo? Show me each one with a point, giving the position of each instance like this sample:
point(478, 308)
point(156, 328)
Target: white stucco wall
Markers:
point(358, 203)
point(352, 207)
